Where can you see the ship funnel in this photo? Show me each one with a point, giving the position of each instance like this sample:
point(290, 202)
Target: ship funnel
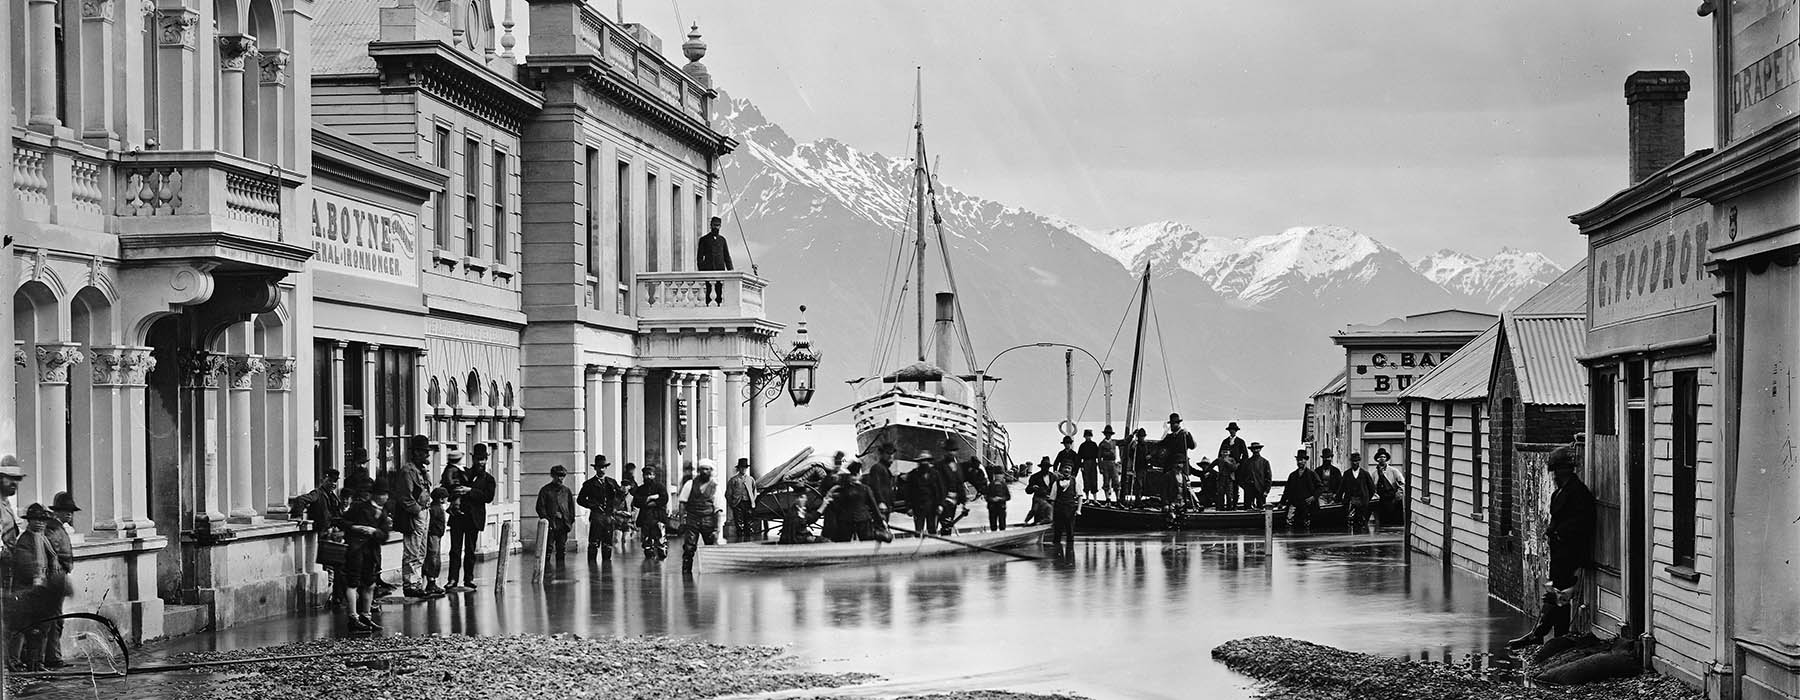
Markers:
point(946, 334)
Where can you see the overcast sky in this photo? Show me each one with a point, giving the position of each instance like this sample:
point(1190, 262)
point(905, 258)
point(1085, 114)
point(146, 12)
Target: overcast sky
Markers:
point(1425, 124)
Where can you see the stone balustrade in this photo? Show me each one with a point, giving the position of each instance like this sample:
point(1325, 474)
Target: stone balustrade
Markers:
point(620, 49)
point(699, 296)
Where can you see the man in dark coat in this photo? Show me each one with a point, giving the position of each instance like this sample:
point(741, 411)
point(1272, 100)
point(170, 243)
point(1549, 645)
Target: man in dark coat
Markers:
point(1109, 465)
point(1065, 506)
point(1175, 448)
point(714, 251)
point(1038, 487)
point(1571, 535)
point(740, 501)
point(854, 506)
point(471, 490)
point(924, 494)
point(409, 502)
point(651, 501)
point(1255, 476)
point(1233, 446)
point(1357, 488)
point(1067, 456)
point(1329, 476)
point(1300, 497)
point(603, 497)
point(1089, 455)
point(556, 505)
point(880, 479)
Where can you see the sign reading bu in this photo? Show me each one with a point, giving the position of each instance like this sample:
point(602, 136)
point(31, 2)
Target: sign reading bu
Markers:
point(363, 239)
point(1651, 272)
point(1389, 372)
point(1762, 71)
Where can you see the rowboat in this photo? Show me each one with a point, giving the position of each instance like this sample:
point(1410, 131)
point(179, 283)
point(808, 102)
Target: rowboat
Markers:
point(1109, 516)
point(760, 556)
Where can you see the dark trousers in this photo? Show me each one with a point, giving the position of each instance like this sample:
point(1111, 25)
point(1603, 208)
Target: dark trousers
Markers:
point(434, 559)
point(1359, 511)
point(1255, 497)
point(696, 529)
point(462, 554)
point(1090, 478)
point(1301, 514)
point(559, 538)
point(925, 519)
point(1062, 525)
point(743, 523)
point(997, 515)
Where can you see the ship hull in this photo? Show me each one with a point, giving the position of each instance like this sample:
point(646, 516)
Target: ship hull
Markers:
point(916, 423)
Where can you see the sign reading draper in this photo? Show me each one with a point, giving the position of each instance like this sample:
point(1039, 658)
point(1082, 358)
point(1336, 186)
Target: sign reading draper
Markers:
point(1763, 78)
point(364, 239)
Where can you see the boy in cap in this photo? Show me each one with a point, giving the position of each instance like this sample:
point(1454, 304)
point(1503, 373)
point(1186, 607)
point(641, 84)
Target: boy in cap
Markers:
point(1571, 534)
point(556, 505)
point(434, 541)
point(365, 524)
point(701, 501)
point(471, 490)
point(32, 567)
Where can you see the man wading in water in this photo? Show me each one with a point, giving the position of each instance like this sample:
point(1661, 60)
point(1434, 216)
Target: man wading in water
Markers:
point(700, 509)
point(1065, 497)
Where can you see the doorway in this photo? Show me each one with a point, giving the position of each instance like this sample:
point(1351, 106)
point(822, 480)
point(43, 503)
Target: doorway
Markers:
point(1637, 537)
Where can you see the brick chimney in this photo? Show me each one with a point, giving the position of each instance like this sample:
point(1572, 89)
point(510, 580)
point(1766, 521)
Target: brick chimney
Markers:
point(1657, 101)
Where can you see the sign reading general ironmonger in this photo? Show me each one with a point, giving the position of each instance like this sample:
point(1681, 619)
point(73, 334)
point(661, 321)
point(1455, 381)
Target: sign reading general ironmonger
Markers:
point(364, 239)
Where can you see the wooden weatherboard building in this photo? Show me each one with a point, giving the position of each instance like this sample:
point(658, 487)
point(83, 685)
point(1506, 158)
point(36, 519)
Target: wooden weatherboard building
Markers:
point(1381, 362)
point(1446, 457)
point(1651, 456)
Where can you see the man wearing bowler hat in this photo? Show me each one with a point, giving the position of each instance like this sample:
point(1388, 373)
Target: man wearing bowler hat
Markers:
point(740, 500)
point(1175, 446)
point(1109, 464)
point(1300, 497)
point(1254, 476)
point(1571, 535)
point(556, 505)
point(603, 497)
point(471, 490)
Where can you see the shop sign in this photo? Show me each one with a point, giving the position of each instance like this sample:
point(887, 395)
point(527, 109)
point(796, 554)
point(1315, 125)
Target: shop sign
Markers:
point(364, 239)
point(1655, 271)
point(1763, 67)
point(1389, 372)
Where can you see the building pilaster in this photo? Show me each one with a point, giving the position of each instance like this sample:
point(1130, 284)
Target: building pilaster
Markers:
point(612, 418)
point(636, 414)
point(98, 72)
point(240, 372)
point(282, 461)
point(736, 447)
point(234, 51)
point(52, 468)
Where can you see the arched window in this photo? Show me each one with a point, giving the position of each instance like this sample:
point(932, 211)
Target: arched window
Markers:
point(452, 396)
point(509, 396)
point(474, 386)
point(434, 394)
point(493, 394)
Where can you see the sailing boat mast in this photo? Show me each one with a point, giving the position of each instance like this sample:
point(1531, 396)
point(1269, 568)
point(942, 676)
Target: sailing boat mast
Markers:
point(1137, 363)
point(919, 176)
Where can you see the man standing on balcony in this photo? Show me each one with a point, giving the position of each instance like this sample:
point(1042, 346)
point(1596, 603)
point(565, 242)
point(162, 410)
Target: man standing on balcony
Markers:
point(714, 256)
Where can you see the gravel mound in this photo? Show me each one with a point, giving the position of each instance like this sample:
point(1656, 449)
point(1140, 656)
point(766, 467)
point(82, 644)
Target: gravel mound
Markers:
point(1290, 669)
point(533, 667)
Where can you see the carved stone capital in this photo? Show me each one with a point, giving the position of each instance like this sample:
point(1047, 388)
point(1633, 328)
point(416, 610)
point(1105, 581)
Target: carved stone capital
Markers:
point(234, 49)
point(96, 9)
point(176, 27)
point(54, 361)
point(200, 369)
point(274, 67)
point(19, 356)
point(242, 370)
point(121, 366)
point(278, 373)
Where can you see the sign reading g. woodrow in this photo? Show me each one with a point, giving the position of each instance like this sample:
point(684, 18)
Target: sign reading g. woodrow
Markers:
point(364, 239)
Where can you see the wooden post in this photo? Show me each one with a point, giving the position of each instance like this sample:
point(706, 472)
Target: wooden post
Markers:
point(506, 529)
point(1268, 531)
point(542, 547)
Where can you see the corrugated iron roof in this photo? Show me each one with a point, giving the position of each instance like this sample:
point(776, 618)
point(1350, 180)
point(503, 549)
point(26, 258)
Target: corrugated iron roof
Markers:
point(341, 34)
point(1566, 294)
point(1543, 351)
point(1463, 377)
point(1337, 385)
point(1448, 320)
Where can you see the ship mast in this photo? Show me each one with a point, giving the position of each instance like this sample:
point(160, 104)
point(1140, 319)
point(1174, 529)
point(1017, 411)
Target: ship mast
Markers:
point(919, 176)
point(1137, 376)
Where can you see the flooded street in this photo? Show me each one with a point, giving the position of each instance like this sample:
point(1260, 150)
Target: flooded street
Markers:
point(1125, 616)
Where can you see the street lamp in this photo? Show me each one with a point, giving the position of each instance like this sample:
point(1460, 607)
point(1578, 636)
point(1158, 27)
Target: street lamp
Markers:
point(797, 370)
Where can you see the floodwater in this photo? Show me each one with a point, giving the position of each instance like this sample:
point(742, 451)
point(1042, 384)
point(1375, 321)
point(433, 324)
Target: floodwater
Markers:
point(1126, 616)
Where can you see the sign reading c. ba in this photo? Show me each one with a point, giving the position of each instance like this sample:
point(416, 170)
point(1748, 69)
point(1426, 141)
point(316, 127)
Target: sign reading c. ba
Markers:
point(369, 240)
point(1389, 372)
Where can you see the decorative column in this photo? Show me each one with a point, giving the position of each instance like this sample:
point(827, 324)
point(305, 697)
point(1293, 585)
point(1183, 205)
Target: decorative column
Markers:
point(120, 500)
point(178, 113)
point(52, 469)
point(369, 392)
point(735, 446)
point(590, 424)
point(612, 416)
point(271, 106)
point(421, 401)
point(281, 464)
point(234, 51)
point(105, 460)
point(40, 36)
point(200, 373)
point(703, 422)
point(756, 425)
point(338, 448)
point(690, 441)
point(241, 370)
point(672, 458)
point(97, 72)
point(636, 414)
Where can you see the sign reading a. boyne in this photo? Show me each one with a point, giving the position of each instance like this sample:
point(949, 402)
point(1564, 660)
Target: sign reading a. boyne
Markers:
point(1763, 64)
point(364, 239)
point(1387, 372)
point(1651, 272)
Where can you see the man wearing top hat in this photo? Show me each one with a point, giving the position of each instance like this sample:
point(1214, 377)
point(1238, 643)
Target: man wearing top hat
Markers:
point(1109, 464)
point(1357, 489)
point(556, 505)
point(1571, 535)
point(603, 497)
point(1254, 476)
point(1300, 497)
point(409, 503)
point(471, 490)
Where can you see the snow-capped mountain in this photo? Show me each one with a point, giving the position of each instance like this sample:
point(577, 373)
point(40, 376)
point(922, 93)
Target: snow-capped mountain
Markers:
point(1243, 323)
point(1501, 281)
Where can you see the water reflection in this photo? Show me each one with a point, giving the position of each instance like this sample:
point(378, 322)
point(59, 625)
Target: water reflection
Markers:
point(1126, 616)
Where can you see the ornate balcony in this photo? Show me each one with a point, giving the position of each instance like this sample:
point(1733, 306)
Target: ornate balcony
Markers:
point(690, 320)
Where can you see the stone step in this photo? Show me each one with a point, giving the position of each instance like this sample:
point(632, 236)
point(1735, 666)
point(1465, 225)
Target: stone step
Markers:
point(181, 620)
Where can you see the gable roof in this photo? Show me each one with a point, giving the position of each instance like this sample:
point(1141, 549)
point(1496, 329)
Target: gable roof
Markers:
point(1463, 377)
point(1337, 385)
point(1544, 336)
point(1567, 294)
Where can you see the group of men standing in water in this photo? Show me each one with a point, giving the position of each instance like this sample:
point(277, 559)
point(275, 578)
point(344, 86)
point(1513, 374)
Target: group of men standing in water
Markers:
point(1137, 468)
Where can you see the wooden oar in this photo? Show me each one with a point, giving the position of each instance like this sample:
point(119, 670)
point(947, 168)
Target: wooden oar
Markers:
point(977, 547)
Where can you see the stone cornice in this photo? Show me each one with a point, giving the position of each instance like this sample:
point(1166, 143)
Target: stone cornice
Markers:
point(595, 73)
point(333, 149)
point(454, 77)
